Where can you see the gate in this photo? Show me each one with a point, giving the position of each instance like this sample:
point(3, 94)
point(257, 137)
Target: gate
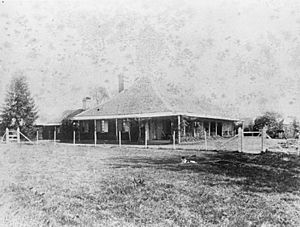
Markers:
point(251, 142)
point(13, 136)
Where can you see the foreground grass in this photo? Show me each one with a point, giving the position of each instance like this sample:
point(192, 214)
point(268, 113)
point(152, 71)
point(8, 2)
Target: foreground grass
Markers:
point(67, 186)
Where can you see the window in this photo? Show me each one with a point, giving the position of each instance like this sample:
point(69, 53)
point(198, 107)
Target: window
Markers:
point(104, 126)
point(98, 126)
point(85, 126)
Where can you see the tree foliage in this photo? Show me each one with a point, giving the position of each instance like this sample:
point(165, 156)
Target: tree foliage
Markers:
point(271, 120)
point(19, 108)
point(296, 126)
point(66, 130)
point(99, 94)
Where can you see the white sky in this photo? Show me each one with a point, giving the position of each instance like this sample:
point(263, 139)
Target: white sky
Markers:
point(242, 55)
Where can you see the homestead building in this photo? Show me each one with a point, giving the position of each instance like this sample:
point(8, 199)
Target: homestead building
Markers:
point(153, 112)
point(52, 129)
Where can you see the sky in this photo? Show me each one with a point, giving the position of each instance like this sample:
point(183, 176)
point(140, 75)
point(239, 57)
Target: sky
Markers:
point(241, 55)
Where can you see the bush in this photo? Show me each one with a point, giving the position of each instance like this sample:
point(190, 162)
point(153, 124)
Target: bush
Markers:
point(272, 121)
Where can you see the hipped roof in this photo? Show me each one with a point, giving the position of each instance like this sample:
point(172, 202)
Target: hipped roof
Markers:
point(148, 99)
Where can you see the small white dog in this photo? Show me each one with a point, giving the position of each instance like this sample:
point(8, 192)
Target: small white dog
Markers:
point(184, 160)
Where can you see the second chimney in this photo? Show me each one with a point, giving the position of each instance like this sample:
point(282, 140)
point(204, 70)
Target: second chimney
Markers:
point(86, 102)
point(121, 83)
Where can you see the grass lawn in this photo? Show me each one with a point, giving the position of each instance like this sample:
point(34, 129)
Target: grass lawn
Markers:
point(43, 185)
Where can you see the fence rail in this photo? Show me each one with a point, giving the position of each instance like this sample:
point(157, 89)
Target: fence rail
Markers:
point(11, 136)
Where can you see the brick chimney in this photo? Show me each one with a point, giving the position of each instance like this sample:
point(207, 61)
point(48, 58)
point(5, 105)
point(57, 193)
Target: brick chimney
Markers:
point(121, 82)
point(86, 103)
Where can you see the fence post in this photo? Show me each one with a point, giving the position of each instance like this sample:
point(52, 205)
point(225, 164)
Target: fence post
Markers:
point(146, 139)
point(18, 135)
point(7, 135)
point(54, 138)
point(37, 137)
point(120, 139)
point(205, 139)
point(174, 140)
point(179, 129)
point(95, 133)
point(240, 143)
point(74, 138)
point(95, 138)
point(117, 130)
point(262, 139)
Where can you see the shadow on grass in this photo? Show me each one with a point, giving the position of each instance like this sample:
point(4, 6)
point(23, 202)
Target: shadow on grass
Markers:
point(271, 172)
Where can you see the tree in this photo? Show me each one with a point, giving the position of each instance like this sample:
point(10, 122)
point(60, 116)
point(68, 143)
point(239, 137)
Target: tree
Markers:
point(19, 108)
point(295, 126)
point(271, 120)
point(99, 94)
point(66, 129)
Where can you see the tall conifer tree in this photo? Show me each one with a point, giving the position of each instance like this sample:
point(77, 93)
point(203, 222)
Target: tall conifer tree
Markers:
point(19, 108)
